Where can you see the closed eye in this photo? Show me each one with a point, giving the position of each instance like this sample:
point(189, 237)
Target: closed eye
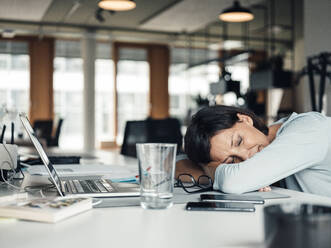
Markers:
point(231, 160)
point(239, 141)
point(234, 159)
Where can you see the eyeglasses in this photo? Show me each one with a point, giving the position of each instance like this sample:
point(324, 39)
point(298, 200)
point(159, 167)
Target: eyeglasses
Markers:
point(187, 182)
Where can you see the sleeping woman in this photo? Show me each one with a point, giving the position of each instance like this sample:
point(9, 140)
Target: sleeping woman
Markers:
point(241, 154)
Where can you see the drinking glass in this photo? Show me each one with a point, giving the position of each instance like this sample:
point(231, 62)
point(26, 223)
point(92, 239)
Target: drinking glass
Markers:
point(156, 174)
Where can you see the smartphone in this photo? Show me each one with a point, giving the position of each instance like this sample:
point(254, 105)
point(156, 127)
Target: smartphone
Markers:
point(220, 206)
point(231, 198)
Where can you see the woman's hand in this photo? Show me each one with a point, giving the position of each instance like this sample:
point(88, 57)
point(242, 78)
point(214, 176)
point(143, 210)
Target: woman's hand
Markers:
point(265, 189)
point(187, 166)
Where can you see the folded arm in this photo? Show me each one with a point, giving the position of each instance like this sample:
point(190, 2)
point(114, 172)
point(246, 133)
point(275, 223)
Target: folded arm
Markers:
point(296, 149)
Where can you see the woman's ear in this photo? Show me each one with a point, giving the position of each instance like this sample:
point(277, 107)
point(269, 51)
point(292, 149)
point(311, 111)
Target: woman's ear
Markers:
point(245, 118)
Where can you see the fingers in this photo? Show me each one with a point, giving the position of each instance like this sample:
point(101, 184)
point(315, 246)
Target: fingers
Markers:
point(265, 189)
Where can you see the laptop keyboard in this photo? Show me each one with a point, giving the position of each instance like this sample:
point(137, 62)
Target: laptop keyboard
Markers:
point(87, 186)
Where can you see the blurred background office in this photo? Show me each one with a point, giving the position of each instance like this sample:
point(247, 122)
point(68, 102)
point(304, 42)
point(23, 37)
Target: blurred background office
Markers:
point(86, 70)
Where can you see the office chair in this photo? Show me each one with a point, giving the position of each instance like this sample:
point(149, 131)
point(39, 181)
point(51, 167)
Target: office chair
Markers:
point(135, 132)
point(153, 131)
point(43, 128)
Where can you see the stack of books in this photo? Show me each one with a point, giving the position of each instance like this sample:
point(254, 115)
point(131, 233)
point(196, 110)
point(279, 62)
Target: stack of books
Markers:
point(49, 210)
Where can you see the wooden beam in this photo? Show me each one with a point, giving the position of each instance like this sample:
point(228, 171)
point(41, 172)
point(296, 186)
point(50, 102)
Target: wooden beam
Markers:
point(41, 78)
point(159, 61)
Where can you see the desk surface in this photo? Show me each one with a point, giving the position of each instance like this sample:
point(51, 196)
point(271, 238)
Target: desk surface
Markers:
point(136, 227)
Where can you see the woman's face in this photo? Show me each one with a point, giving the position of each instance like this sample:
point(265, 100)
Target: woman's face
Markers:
point(238, 143)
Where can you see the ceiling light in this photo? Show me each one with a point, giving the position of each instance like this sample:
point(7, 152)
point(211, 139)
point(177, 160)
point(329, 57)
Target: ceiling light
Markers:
point(236, 13)
point(8, 33)
point(117, 5)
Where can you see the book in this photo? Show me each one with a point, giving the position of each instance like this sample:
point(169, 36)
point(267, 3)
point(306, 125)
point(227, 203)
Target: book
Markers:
point(49, 210)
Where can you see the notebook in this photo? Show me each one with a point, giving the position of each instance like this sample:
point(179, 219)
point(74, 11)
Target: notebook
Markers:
point(93, 186)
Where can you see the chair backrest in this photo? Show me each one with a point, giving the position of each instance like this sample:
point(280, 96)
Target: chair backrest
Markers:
point(151, 130)
point(135, 132)
point(43, 128)
point(54, 141)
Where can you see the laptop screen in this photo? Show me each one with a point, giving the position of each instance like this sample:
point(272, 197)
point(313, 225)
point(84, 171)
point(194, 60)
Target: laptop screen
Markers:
point(49, 167)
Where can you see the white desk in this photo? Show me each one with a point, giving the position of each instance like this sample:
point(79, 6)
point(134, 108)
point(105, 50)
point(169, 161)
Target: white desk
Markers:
point(136, 227)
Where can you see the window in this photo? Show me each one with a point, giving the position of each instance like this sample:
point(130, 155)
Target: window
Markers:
point(132, 87)
point(240, 72)
point(186, 84)
point(15, 76)
point(104, 94)
point(68, 92)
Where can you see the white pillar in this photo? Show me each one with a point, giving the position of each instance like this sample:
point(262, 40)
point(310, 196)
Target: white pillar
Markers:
point(88, 55)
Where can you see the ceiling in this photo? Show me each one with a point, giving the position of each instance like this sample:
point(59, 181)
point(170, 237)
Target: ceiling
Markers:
point(176, 22)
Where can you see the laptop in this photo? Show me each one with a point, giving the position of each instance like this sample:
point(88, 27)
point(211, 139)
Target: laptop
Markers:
point(78, 186)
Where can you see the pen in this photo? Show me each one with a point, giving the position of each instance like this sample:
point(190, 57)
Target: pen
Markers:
point(125, 180)
point(12, 133)
point(3, 133)
point(128, 179)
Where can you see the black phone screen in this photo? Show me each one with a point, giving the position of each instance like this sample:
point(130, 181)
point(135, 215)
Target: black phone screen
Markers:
point(220, 206)
point(232, 198)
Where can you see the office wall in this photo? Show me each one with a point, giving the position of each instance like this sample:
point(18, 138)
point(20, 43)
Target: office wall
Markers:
point(315, 38)
point(317, 30)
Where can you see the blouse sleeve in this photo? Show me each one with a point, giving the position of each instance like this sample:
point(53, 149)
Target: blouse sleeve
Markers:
point(301, 144)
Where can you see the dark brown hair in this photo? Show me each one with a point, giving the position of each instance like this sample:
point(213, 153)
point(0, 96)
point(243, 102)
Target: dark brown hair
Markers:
point(208, 122)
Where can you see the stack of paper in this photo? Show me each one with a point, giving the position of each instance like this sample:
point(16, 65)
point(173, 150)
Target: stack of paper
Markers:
point(66, 170)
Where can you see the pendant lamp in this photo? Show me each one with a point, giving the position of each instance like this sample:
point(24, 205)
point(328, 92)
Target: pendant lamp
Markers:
point(117, 5)
point(236, 13)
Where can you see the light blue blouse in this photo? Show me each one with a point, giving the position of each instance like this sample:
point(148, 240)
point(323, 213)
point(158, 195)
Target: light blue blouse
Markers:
point(300, 153)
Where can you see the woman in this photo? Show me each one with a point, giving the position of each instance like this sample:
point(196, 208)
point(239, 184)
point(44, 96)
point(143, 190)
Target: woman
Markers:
point(241, 154)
